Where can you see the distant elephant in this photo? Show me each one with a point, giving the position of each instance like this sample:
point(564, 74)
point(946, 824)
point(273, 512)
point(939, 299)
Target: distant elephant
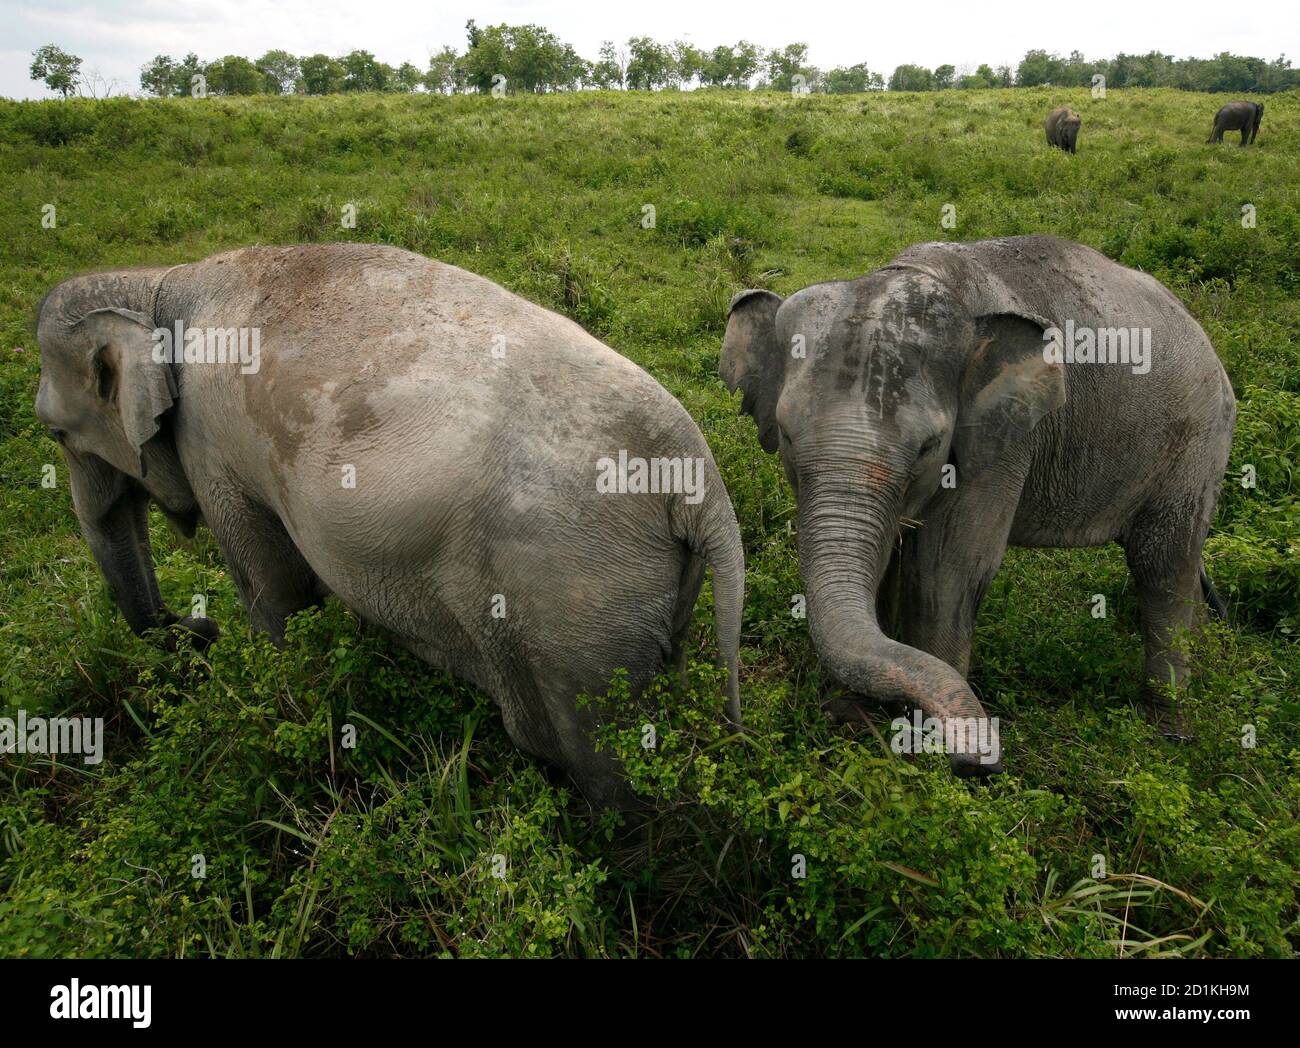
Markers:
point(438, 453)
point(935, 411)
point(1062, 125)
point(1237, 116)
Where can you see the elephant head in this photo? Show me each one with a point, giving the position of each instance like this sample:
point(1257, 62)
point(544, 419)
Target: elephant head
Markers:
point(868, 388)
point(1069, 132)
point(106, 400)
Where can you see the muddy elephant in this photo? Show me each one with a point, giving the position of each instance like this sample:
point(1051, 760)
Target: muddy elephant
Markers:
point(1237, 116)
point(1024, 391)
point(1062, 126)
point(514, 501)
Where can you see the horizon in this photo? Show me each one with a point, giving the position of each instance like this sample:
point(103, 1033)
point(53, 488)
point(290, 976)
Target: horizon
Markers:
point(115, 39)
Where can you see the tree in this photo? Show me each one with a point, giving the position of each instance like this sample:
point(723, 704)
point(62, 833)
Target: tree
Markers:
point(539, 61)
point(1038, 68)
point(281, 71)
point(715, 71)
point(943, 77)
point(784, 65)
point(95, 84)
point(234, 75)
point(848, 80)
point(363, 72)
point(911, 78)
point(689, 60)
point(158, 77)
point(322, 75)
point(607, 71)
point(445, 75)
point(982, 77)
point(649, 65)
point(408, 77)
point(529, 57)
point(730, 66)
point(183, 75)
point(746, 59)
point(59, 69)
point(485, 57)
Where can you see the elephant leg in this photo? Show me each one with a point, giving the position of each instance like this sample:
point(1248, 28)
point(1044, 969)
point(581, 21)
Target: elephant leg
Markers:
point(272, 577)
point(1245, 136)
point(688, 592)
point(889, 601)
point(541, 716)
point(1163, 551)
point(940, 599)
point(948, 563)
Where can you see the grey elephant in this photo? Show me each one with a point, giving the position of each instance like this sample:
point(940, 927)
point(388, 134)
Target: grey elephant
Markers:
point(1238, 116)
point(441, 455)
point(1062, 126)
point(1023, 391)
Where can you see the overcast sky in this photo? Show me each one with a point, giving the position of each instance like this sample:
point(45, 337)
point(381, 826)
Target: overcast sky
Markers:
point(116, 37)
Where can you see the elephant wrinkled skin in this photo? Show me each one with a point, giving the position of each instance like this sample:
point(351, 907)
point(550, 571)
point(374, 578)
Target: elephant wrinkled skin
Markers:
point(415, 440)
point(923, 429)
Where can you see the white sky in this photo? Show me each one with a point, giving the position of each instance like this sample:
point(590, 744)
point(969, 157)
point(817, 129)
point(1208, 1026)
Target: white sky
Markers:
point(116, 37)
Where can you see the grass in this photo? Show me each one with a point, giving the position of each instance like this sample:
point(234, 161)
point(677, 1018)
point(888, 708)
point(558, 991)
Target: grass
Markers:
point(433, 835)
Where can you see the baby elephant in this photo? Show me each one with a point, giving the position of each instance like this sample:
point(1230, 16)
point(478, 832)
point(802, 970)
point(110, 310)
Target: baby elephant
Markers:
point(1237, 116)
point(1025, 391)
point(512, 499)
point(1062, 126)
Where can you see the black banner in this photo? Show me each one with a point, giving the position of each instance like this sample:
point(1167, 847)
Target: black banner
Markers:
point(335, 997)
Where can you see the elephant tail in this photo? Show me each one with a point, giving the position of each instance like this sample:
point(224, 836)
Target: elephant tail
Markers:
point(1212, 598)
point(711, 532)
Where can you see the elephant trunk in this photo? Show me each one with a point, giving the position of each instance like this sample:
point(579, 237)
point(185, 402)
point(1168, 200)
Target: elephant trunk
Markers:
point(848, 523)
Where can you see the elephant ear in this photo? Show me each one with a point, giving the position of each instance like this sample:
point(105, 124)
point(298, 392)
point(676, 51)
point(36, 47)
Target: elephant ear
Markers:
point(752, 360)
point(1008, 388)
point(128, 380)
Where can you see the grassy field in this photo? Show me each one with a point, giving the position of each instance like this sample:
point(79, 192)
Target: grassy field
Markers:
point(395, 847)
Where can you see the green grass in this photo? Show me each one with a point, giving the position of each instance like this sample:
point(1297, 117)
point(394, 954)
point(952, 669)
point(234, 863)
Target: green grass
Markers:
point(390, 848)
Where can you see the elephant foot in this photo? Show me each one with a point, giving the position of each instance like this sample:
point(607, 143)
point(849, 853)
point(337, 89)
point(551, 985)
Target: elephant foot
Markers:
point(971, 766)
point(1165, 716)
point(202, 632)
point(845, 709)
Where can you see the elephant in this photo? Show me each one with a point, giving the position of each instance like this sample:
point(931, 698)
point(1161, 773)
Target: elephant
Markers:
point(1237, 116)
point(1062, 126)
point(957, 401)
point(434, 451)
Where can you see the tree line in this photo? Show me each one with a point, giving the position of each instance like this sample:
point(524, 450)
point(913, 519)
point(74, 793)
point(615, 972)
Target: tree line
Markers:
point(531, 59)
